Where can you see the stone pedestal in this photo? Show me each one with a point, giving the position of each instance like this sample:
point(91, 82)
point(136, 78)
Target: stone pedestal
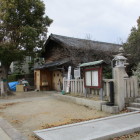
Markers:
point(110, 109)
point(119, 74)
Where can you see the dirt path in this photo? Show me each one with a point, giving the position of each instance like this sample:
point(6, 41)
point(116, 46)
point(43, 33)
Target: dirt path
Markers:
point(34, 114)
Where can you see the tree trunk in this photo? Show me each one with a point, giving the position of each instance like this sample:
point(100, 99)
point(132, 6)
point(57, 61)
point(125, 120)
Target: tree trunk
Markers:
point(4, 77)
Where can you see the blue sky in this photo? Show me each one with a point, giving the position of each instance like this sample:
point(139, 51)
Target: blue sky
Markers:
point(102, 20)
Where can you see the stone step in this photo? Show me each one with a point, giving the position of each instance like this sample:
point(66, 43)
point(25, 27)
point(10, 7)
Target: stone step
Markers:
point(137, 105)
point(133, 109)
point(137, 100)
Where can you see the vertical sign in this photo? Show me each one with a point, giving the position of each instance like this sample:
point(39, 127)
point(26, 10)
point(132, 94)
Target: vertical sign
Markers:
point(68, 80)
point(77, 73)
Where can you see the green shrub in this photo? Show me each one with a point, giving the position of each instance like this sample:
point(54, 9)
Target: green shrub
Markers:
point(137, 72)
point(15, 77)
point(107, 72)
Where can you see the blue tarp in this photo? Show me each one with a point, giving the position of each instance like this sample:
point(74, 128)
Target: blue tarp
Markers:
point(12, 85)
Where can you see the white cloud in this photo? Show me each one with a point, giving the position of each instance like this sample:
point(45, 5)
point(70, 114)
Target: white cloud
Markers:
point(104, 20)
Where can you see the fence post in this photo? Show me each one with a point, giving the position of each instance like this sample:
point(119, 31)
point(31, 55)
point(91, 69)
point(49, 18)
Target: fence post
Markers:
point(125, 88)
point(101, 94)
point(107, 89)
point(75, 85)
point(64, 84)
point(135, 85)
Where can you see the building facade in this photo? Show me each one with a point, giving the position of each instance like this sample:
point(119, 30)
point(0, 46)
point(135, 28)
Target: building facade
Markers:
point(61, 52)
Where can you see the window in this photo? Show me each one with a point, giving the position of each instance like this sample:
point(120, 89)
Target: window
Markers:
point(88, 78)
point(93, 78)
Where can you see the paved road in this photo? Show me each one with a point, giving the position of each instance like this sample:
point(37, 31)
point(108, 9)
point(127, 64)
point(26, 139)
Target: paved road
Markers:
point(100, 129)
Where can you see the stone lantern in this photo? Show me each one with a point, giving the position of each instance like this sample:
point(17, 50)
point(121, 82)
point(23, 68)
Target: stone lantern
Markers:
point(119, 74)
point(120, 60)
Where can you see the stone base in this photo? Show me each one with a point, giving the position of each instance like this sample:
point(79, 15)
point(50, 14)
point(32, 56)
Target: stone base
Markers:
point(110, 109)
point(81, 101)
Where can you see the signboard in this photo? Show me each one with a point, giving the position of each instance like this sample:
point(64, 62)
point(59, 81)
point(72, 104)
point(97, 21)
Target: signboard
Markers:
point(93, 78)
point(68, 80)
point(77, 73)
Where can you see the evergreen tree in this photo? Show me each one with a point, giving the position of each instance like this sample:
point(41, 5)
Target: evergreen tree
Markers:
point(23, 28)
point(132, 46)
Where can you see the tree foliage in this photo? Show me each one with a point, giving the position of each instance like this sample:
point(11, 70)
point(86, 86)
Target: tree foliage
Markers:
point(132, 46)
point(137, 72)
point(23, 28)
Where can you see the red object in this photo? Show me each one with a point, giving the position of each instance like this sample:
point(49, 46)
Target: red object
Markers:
point(99, 77)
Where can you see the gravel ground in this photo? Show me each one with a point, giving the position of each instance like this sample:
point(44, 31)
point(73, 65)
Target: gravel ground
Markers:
point(40, 113)
point(29, 111)
point(133, 136)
